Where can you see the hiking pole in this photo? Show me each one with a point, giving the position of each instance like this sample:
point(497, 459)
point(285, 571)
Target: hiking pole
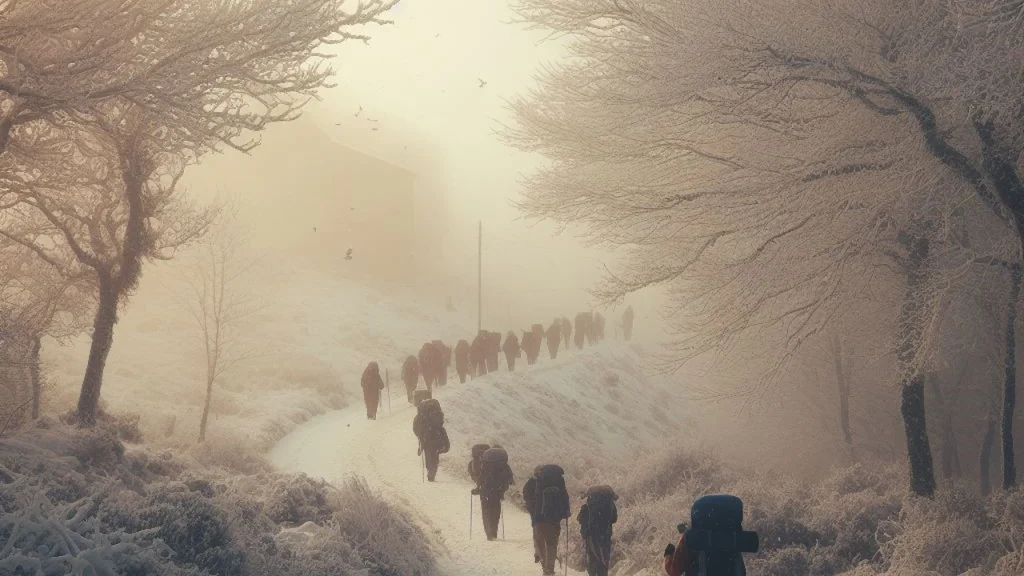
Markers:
point(503, 527)
point(387, 379)
point(470, 514)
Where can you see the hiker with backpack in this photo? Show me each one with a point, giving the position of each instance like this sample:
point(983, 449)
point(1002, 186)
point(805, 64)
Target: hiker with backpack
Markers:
point(410, 375)
point(495, 478)
point(596, 517)
point(372, 385)
point(428, 426)
point(462, 360)
point(547, 501)
point(715, 541)
point(511, 349)
point(554, 338)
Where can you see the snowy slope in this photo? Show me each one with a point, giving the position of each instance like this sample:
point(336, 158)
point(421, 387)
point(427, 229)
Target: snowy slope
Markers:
point(307, 347)
point(585, 410)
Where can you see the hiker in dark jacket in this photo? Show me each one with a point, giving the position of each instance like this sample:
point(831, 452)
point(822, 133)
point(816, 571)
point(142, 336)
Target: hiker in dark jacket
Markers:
point(530, 347)
point(428, 365)
point(596, 518)
point(494, 480)
point(493, 350)
point(598, 326)
point(548, 503)
point(582, 329)
point(478, 355)
point(410, 375)
point(554, 338)
point(372, 385)
point(428, 426)
point(567, 332)
point(627, 323)
point(511, 349)
point(462, 360)
point(442, 358)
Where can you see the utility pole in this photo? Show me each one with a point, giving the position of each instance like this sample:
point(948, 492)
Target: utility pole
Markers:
point(479, 276)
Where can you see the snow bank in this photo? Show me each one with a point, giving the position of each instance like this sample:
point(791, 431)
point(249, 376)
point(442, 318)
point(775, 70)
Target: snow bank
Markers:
point(592, 411)
point(306, 348)
point(81, 502)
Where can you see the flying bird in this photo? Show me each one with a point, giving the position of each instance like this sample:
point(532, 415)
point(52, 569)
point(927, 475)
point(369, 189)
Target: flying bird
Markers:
point(348, 254)
point(482, 82)
point(360, 111)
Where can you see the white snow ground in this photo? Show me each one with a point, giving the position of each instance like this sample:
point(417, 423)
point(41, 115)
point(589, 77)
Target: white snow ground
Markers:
point(556, 410)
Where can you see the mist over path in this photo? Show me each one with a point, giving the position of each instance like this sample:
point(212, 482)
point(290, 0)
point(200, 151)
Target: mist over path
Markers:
point(335, 445)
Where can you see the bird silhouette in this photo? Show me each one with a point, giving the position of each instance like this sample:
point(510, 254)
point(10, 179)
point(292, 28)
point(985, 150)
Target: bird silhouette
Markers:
point(348, 254)
point(360, 111)
point(482, 82)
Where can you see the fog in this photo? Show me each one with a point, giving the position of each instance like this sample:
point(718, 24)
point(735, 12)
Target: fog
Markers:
point(412, 98)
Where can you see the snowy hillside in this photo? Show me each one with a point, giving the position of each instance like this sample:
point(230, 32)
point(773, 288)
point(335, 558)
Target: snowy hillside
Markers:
point(306, 348)
point(593, 411)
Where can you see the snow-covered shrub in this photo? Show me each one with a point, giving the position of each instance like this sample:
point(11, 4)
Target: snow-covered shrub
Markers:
point(385, 537)
point(231, 453)
point(295, 500)
point(76, 501)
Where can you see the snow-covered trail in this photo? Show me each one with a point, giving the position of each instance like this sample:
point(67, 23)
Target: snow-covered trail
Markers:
point(337, 444)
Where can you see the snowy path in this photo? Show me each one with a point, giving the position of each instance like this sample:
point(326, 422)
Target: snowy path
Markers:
point(334, 445)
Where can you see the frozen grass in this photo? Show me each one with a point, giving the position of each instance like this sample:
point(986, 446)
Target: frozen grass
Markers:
point(81, 502)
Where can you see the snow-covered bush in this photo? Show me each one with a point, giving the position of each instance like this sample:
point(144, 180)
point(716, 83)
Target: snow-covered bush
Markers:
point(79, 502)
point(385, 536)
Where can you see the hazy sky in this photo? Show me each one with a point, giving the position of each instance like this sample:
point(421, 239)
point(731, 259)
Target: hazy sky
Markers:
point(420, 80)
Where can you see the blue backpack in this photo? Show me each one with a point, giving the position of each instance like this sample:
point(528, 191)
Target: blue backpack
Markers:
point(716, 539)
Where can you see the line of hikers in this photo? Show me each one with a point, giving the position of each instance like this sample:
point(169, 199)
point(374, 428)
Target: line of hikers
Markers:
point(712, 547)
point(482, 356)
point(547, 501)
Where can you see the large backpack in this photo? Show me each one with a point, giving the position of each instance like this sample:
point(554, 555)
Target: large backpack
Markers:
point(601, 511)
point(429, 425)
point(716, 539)
point(433, 416)
point(494, 472)
point(475, 463)
point(554, 499)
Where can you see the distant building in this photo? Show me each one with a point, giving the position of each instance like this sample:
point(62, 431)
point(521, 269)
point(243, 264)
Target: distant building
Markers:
point(314, 199)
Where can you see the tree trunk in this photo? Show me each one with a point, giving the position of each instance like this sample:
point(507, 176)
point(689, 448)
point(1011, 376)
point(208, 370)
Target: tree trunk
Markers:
point(912, 406)
point(1010, 381)
point(950, 454)
point(206, 410)
point(843, 389)
point(35, 376)
point(102, 340)
point(985, 459)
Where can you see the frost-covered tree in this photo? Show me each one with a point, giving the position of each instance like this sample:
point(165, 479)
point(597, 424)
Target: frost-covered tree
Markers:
point(756, 156)
point(128, 96)
point(35, 302)
point(219, 301)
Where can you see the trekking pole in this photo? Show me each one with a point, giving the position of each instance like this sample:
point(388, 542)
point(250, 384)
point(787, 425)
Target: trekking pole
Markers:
point(470, 514)
point(387, 379)
point(503, 527)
